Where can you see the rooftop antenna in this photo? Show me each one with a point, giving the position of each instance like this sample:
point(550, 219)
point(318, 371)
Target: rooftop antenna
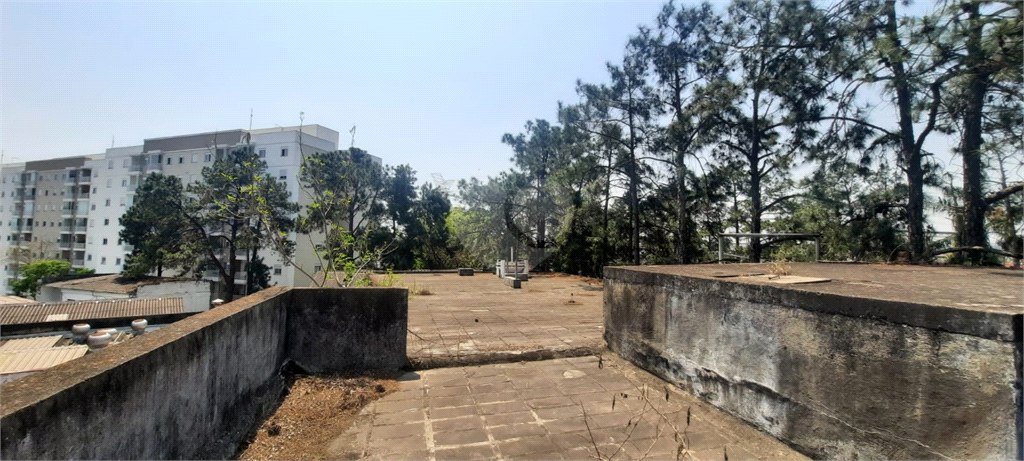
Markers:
point(353, 131)
point(250, 119)
point(111, 141)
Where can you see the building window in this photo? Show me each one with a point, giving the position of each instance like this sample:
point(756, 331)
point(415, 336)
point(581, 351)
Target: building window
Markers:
point(207, 157)
point(110, 165)
point(277, 270)
point(103, 260)
point(283, 176)
point(90, 240)
point(263, 152)
point(88, 257)
point(195, 158)
point(284, 151)
point(108, 202)
point(104, 241)
point(124, 183)
point(106, 221)
point(117, 262)
point(94, 206)
point(122, 201)
point(92, 223)
point(127, 162)
point(110, 183)
point(169, 160)
point(181, 160)
point(94, 189)
point(46, 193)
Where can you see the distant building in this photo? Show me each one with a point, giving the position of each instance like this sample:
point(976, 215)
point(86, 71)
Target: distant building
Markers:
point(69, 208)
point(196, 294)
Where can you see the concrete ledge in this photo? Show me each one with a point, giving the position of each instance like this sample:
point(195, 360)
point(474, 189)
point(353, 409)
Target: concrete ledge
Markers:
point(197, 388)
point(836, 375)
point(466, 271)
point(493, 357)
point(513, 282)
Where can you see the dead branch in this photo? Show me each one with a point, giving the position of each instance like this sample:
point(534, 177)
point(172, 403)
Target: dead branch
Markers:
point(997, 196)
point(983, 249)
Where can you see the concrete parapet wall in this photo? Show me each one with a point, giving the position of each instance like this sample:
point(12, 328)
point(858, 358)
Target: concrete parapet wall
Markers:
point(197, 388)
point(835, 376)
point(355, 328)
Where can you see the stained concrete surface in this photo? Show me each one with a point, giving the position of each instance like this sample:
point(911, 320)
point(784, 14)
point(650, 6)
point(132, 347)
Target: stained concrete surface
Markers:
point(569, 408)
point(983, 289)
point(470, 320)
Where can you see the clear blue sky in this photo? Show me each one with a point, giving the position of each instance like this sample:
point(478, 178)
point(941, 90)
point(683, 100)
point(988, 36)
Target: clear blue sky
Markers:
point(434, 85)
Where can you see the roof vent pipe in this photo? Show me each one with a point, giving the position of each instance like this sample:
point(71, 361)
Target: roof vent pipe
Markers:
point(78, 332)
point(139, 326)
point(98, 340)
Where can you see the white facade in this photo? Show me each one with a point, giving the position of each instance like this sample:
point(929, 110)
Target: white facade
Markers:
point(195, 294)
point(112, 186)
point(102, 188)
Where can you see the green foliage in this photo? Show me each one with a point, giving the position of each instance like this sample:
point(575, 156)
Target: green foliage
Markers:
point(156, 228)
point(34, 275)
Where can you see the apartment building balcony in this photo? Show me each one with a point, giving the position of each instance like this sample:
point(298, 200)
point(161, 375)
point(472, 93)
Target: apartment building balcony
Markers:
point(79, 245)
point(78, 262)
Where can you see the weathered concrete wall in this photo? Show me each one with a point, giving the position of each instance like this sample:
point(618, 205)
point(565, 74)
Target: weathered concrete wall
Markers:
point(332, 329)
point(196, 388)
point(834, 376)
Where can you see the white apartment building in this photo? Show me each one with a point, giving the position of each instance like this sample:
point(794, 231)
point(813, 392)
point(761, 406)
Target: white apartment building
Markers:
point(70, 208)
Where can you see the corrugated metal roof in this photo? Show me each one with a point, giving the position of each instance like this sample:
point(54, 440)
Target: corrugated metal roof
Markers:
point(86, 310)
point(22, 361)
point(38, 342)
point(16, 300)
point(114, 283)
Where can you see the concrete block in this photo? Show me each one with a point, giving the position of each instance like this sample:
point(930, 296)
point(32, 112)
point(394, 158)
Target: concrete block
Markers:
point(513, 282)
point(466, 271)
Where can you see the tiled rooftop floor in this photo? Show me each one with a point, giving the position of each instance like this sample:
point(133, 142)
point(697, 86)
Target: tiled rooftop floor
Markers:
point(467, 316)
point(535, 410)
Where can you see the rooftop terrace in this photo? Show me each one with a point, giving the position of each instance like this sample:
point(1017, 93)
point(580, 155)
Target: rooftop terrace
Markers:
point(499, 373)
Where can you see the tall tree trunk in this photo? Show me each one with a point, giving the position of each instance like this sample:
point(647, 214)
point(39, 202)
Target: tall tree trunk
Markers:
point(755, 212)
point(607, 198)
point(908, 147)
point(634, 200)
point(229, 279)
point(683, 231)
point(754, 162)
point(970, 145)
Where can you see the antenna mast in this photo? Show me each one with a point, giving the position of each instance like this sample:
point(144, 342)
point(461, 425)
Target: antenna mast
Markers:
point(353, 131)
